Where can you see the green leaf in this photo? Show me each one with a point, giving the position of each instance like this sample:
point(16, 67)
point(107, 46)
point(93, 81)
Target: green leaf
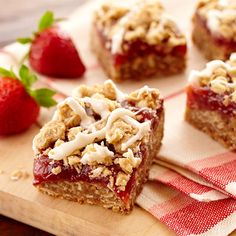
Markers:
point(24, 40)
point(27, 77)
point(46, 21)
point(44, 97)
point(7, 73)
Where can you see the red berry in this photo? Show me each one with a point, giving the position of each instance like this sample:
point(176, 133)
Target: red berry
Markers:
point(18, 110)
point(53, 54)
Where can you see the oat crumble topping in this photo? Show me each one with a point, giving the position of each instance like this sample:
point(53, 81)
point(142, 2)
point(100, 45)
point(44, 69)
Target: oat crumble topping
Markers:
point(92, 128)
point(220, 16)
point(145, 20)
point(56, 170)
point(219, 76)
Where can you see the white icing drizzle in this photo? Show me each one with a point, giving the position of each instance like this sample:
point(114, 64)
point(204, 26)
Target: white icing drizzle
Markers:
point(207, 72)
point(82, 139)
point(145, 89)
point(226, 10)
point(117, 39)
point(214, 18)
point(98, 105)
point(120, 96)
point(123, 24)
point(99, 156)
point(195, 76)
point(74, 104)
point(143, 128)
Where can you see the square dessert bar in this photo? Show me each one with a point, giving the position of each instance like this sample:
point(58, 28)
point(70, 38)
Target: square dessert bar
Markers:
point(137, 39)
point(99, 146)
point(214, 28)
point(211, 101)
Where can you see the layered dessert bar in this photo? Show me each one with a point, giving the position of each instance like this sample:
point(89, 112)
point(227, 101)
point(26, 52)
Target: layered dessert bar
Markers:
point(214, 28)
point(99, 146)
point(211, 101)
point(137, 39)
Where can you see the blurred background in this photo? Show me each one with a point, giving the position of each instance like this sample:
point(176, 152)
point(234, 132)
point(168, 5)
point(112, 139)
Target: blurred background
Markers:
point(18, 18)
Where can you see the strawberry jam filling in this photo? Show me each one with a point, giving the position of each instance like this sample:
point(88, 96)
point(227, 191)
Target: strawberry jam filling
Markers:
point(228, 44)
point(138, 48)
point(141, 49)
point(43, 165)
point(203, 98)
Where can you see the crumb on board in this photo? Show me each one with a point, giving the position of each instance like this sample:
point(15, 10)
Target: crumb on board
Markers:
point(19, 174)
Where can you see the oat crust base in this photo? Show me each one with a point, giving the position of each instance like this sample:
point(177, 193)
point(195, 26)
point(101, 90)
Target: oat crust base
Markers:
point(221, 129)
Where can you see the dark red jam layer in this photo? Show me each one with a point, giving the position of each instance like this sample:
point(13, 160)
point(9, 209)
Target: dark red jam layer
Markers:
point(43, 168)
point(229, 45)
point(203, 98)
point(139, 48)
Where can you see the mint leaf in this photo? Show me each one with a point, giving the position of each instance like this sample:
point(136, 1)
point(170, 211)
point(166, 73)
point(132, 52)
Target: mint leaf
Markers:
point(46, 21)
point(44, 97)
point(27, 77)
point(24, 40)
point(7, 73)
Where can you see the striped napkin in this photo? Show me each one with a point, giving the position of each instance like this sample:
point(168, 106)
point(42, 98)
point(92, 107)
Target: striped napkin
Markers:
point(186, 147)
point(193, 181)
point(186, 216)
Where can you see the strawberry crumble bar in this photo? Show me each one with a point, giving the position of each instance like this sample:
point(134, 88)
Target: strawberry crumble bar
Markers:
point(214, 28)
point(99, 146)
point(211, 101)
point(137, 39)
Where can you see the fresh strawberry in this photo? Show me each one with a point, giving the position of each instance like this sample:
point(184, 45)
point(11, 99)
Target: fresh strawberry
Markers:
point(52, 51)
point(19, 103)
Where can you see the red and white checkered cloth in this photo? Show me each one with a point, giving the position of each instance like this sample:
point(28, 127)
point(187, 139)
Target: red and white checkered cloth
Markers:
point(193, 183)
point(191, 188)
point(186, 147)
point(187, 216)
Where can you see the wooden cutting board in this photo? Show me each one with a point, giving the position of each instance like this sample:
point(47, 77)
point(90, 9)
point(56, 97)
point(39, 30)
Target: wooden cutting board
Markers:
point(21, 201)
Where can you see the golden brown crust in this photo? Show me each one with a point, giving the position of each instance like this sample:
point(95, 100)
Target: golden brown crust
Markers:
point(220, 128)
